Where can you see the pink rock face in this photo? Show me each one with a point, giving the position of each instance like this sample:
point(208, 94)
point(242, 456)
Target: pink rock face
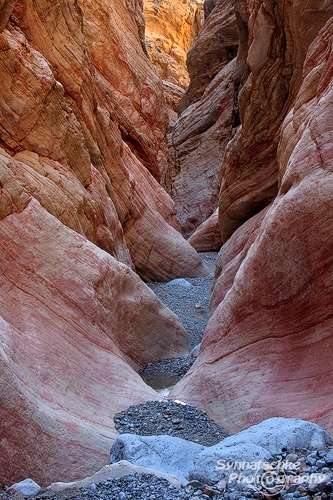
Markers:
point(207, 237)
point(266, 351)
point(74, 326)
point(215, 46)
point(197, 144)
point(198, 139)
point(83, 148)
point(231, 256)
point(274, 43)
point(63, 103)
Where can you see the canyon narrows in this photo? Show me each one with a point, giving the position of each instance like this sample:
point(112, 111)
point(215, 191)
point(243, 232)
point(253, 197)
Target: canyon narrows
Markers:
point(100, 184)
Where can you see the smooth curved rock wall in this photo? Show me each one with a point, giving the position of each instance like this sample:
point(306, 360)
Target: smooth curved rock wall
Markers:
point(266, 350)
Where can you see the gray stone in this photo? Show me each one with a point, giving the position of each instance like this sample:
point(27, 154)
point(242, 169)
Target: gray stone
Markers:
point(222, 485)
point(251, 448)
point(329, 457)
point(292, 488)
point(290, 435)
point(288, 496)
point(318, 482)
point(179, 282)
point(235, 461)
point(195, 351)
point(168, 454)
point(27, 487)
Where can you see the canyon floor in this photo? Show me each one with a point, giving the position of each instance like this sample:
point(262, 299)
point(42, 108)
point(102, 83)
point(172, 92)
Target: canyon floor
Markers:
point(189, 299)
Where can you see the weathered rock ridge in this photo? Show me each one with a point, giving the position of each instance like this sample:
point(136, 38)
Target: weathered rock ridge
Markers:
point(171, 28)
point(75, 325)
point(82, 155)
point(68, 101)
point(266, 348)
point(198, 139)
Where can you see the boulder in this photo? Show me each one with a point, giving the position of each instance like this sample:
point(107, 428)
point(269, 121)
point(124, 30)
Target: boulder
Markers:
point(286, 435)
point(168, 454)
point(237, 462)
point(27, 488)
point(179, 282)
point(241, 459)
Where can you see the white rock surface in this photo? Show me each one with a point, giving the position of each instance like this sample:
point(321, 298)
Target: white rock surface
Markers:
point(168, 454)
point(27, 487)
point(279, 434)
point(229, 462)
point(238, 460)
point(119, 469)
point(179, 282)
point(251, 448)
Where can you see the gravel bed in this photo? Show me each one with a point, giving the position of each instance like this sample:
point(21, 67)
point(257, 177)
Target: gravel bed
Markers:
point(133, 487)
point(166, 372)
point(171, 418)
point(174, 366)
point(286, 484)
point(190, 303)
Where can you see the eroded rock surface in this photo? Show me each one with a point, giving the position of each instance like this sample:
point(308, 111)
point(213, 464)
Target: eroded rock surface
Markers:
point(67, 102)
point(266, 348)
point(70, 318)
point(171, 27)
point(198, 139)
point(272, 53)
point(208, 236)
point(215, 46)
point(82, 155)
point(197, 144)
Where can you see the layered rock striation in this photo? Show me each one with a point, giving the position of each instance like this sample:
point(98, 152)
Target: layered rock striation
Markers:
point(82, 210)
point(198, 139)
point(171, 28)
point(266, 348)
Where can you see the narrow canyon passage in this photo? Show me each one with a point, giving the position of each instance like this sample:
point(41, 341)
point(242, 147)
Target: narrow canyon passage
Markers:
point(134, 135)
point(189, 300)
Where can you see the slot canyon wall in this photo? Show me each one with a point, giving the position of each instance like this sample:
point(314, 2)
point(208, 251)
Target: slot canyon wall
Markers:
point(84, 219)
point(199, 137)
point(82, 214)
point(171, 28)
point(266, 350)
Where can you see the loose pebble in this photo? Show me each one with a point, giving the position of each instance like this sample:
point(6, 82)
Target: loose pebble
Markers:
point(172, 418)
